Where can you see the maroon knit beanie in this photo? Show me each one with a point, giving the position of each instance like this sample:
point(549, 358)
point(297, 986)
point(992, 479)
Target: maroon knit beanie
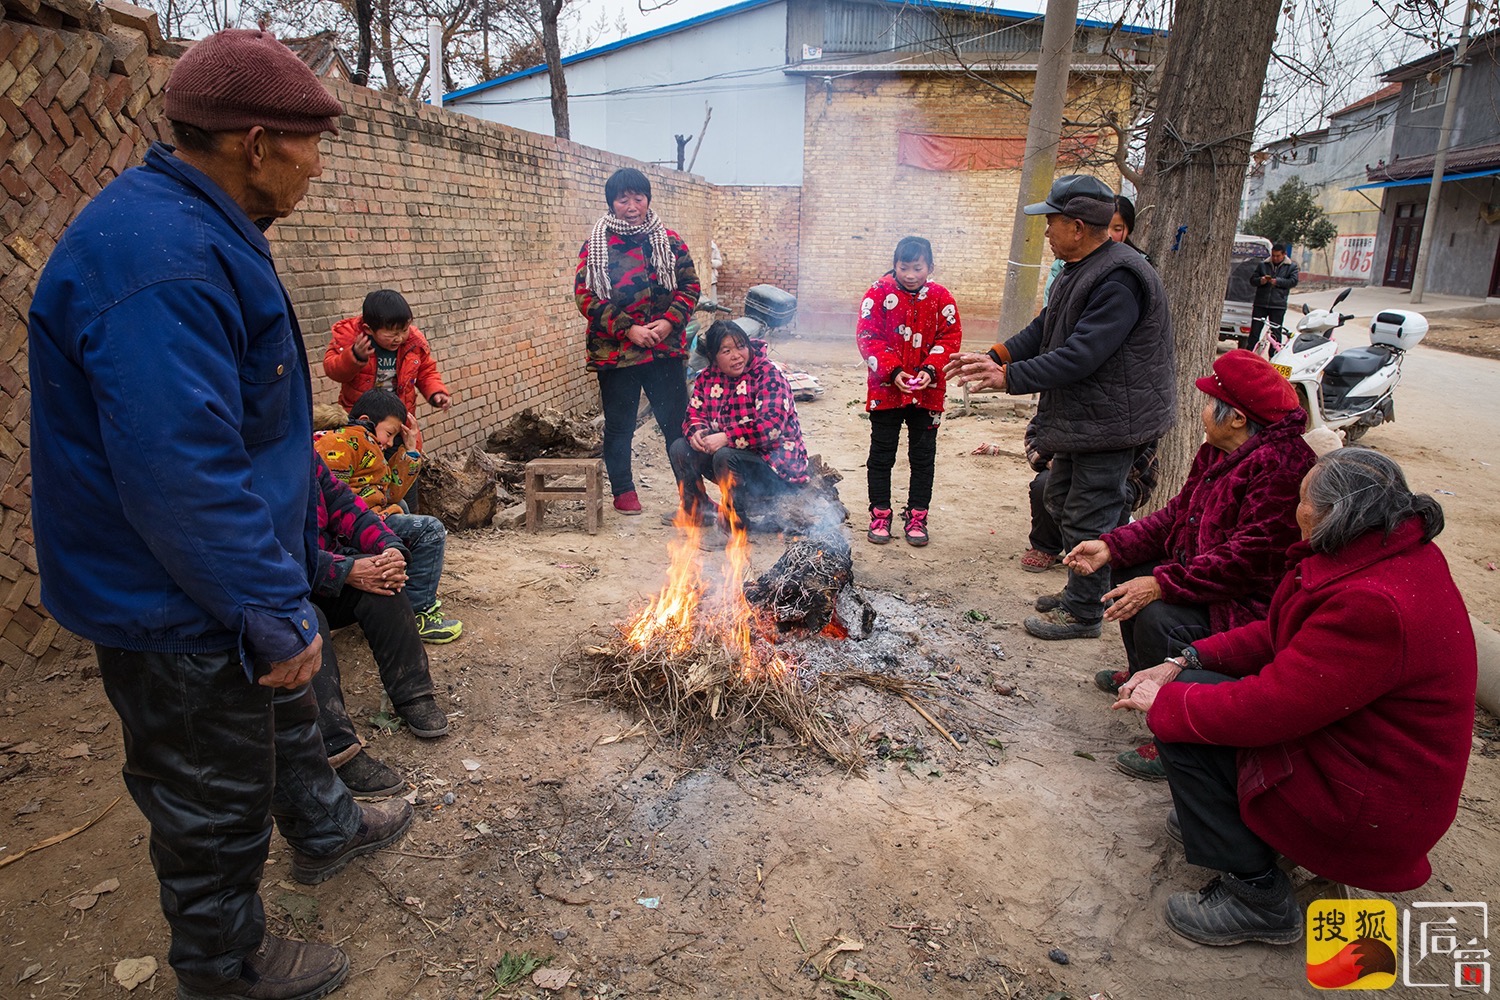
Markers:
point(240, 78)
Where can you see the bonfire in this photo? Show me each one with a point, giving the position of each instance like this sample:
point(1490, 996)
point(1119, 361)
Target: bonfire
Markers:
point(702, 653)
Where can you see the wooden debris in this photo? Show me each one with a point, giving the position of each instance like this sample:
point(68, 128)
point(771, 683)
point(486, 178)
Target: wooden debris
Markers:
point(59, 838)
point(546, 434)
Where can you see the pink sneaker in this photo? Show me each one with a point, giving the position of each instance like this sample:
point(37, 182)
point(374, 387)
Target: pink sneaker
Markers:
point(916, 526)
point(628, 503)
point(880, 525)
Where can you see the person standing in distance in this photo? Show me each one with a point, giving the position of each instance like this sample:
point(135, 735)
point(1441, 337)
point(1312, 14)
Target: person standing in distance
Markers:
point(176, 516)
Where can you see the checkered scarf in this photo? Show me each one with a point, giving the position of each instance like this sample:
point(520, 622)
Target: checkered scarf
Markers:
point(662, 258)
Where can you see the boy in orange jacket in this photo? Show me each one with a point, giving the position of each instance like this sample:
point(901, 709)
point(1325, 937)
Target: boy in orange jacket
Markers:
point(381, 349)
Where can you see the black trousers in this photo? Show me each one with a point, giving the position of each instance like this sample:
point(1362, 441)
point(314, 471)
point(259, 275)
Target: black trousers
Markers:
point(391, 630)
point(1258, 317)
point(1085, 495)
point(754, 482)
point(1159, 630)
point(1045, 535)
point(921, 453)
point(211, 758)
point(664, 382)
point(1204, 781)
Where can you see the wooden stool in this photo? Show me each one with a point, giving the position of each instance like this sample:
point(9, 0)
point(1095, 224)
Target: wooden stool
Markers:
point(538, 492)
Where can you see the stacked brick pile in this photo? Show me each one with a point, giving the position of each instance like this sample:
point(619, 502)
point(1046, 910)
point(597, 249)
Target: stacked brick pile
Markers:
point(80, 90)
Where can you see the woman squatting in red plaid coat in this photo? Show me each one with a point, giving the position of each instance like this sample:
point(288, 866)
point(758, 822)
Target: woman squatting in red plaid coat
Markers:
point(741, 429)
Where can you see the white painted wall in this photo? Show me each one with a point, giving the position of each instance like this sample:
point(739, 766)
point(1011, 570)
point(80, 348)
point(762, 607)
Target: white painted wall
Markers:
point(754, 137)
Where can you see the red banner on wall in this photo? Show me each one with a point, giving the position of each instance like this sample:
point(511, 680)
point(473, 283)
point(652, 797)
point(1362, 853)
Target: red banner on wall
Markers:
point(928, 151)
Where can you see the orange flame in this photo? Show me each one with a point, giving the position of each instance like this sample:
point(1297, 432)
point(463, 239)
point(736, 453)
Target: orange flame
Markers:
point(678, 616)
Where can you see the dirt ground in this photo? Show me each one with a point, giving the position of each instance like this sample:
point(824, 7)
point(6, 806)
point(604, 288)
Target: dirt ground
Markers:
point(1019, 864)
point(1478, 337)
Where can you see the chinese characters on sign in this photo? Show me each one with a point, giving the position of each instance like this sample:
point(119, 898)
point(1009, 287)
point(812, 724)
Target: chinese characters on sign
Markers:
point(1353, 257)
point(1352, 945)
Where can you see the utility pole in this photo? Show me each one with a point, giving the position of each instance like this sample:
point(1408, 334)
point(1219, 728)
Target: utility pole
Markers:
point(1043, 134)
point(1440, 158)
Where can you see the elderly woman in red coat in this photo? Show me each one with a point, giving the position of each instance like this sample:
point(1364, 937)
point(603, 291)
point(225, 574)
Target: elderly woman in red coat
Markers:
point(1208, 560)
point(1336, 732)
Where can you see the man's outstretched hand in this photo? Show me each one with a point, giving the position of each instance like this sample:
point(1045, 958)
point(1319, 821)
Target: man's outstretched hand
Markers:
point(976, 372)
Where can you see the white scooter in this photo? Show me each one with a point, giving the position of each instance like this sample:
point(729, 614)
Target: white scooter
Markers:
point(1349, 391)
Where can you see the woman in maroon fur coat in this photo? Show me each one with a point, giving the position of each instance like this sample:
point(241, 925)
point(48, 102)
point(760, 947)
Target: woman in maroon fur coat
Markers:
point(1209, 559)
point(1336, 732)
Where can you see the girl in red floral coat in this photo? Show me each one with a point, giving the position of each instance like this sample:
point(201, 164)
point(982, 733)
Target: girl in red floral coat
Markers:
point(741, 429)
point(908, 328)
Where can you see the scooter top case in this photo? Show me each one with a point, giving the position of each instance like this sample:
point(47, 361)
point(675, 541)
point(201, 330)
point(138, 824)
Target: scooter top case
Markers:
point(770, 305)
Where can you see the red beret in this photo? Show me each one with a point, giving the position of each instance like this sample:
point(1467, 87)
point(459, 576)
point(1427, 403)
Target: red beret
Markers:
point(241, 78)
point(1247, 382)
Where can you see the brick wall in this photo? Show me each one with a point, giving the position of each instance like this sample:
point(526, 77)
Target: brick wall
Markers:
point(477, 224)
point(757, 229)
point(858, 201)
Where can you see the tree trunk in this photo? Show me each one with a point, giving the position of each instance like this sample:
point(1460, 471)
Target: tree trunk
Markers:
point(1197, 150)
point(387, 58)
point(552, 49)
point(364, 15)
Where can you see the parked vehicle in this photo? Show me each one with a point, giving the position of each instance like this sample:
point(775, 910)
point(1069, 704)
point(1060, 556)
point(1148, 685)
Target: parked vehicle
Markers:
point(767, 309)
point(1239, 293)
point(1352, 390)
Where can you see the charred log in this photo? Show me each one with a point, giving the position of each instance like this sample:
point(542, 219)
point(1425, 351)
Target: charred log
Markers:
point(811, 587)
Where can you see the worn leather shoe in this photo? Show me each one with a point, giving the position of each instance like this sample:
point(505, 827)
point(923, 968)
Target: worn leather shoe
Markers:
point(368, 778)
point(380, 824)
point(1229, 911)
point(424, 718)
point(1174, 828)
point(279, 970)
point(1048, 602)
point(1059, 624)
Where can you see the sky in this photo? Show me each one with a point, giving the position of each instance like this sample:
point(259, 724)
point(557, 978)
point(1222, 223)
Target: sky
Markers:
point(1360, 44)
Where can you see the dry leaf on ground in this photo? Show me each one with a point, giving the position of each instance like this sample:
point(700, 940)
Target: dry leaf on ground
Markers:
point(132, 972)
point(552, 979)
point(76, 750)
point(839, 942)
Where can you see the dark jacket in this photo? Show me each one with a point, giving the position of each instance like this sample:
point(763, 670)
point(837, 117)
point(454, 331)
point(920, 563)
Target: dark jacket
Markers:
point(637, 297)
point(1101, 355)
point(1274, 296)
point(1353, 710)
point(171, 422)
point(1222, 539)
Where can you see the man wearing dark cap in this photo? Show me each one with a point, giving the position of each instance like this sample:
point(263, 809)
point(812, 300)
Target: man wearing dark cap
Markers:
point(175, 518)
point(1101, 356)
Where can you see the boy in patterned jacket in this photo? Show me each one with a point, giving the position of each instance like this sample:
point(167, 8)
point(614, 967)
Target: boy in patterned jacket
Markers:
point(908, 328)
point(373, 455)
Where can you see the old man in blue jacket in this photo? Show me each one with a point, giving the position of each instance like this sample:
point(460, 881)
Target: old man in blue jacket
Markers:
point(175, 513)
